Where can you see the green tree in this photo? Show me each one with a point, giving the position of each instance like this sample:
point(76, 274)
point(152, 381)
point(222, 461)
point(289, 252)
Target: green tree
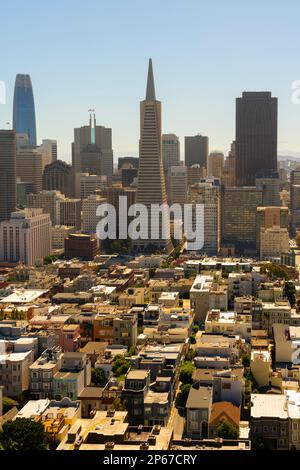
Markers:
point(9, 403)
point(192, 339)
point(245, 360)
point(195, 328)
point(132, 351)
point(120, 365)
point(98, 376)
point(23, 434)
point(183, 394)
point(190, 355)
point(226, 430)
point(186, 373)
point(290, 292)
point(118, 405)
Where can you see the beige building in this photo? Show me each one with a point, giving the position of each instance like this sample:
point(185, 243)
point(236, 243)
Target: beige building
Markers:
point(90, 183)
point(69, 212)
point(131, 297)
point(89, 209)
point(59, 233)
point(48, 150)
point(228, 323)
point(26, 237)
point(170, 151)
point(273, 242)
point(29, 167)
point(215, 164)
point(46, 200)
point(261, 367)
point(177, 193)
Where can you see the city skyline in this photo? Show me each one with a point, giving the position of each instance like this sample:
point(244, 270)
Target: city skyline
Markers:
point(198, 80)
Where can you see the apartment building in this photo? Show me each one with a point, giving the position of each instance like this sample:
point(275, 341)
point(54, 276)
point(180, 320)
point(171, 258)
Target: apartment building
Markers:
point(42, 372)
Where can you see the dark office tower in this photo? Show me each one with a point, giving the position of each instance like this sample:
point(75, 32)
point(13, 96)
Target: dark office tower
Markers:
point(151, 180)
point(123, 162)
point(196, 150)
point(92, 151)
point(238, 217)
point(268, 182)
point(256, 136)
point(59, 176)
point(24, 112)
point(7, 173)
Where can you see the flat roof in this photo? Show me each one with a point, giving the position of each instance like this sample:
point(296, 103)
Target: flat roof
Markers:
point(21, 296)
point(268, 406)
point(199, 397)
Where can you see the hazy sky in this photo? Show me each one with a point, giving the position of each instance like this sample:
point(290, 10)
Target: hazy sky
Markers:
point(94, 53)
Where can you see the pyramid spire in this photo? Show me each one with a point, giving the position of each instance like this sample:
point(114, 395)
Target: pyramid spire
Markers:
point(150, 93)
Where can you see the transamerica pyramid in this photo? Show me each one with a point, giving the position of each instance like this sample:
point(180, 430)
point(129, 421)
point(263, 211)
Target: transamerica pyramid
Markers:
point(151, 181)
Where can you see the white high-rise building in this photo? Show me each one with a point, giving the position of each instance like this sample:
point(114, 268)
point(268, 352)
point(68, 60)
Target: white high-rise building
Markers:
point(89, 217)
point(26, 237)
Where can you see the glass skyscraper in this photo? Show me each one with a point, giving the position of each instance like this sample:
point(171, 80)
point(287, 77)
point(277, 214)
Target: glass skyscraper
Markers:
point(24, 112)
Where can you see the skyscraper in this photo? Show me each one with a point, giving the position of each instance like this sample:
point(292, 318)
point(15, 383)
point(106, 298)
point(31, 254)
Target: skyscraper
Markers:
point(7, 173)
point(59, 175)
point(256, 136)
point(23, 111)
point(92, 151)
point(48, 149)
point(170, 151)
point(29, 166)
point(151, 181)
point(196, 150)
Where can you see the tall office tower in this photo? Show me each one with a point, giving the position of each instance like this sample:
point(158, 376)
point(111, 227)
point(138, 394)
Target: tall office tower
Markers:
point(228, 175)
point(26, 237)
point(208, 193)
point(48, 149)
point(89, 209)
point(92, 151)
point(196, 150)
point(46, 200)
point(91, 183)
point(295, 199)
point(59, 175)
point(268, 182)
point(177, 185)
point(29, 166)
point(170, 151)
point(112, 195)
point(24, 112)
point(195, 173)
point(23, 189)
point(267, 219)
point(238, 215)
point(215, 164)
point(7, 173)
point(256, 136)
point(151, 180)
point(69, 212)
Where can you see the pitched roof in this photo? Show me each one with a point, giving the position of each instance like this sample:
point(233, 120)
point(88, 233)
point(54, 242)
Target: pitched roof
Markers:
point(225, 410)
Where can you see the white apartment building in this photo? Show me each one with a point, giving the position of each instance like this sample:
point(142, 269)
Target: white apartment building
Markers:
point(26, 237)
point(228, 324)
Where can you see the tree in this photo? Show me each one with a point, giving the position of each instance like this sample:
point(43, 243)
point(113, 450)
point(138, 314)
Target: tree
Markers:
point(183, 394)
point(118, 405)
point(190, 355)
point(226, 430)
point(98, 376)
point(49, 259)
point(290, 292)
point(120, 365)
point(186, 373)
point(132, 351)
point(192, 339)
point(245, 360)
point(23, 434)
point(195, 328)
point(8, 403)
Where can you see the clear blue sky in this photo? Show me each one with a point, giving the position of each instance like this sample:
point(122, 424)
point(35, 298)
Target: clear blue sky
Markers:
point(94, 53)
